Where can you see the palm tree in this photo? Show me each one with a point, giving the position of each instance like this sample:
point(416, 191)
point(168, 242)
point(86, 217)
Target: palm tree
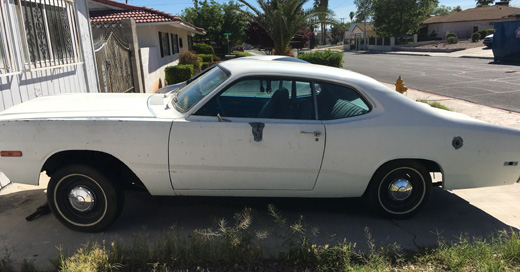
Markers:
point(351, 15)
point(283, 19)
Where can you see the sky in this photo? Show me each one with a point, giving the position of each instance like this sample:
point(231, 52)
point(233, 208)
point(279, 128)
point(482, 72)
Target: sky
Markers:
point(341, 8)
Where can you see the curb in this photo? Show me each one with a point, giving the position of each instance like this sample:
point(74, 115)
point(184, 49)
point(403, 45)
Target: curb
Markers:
point(476, 57)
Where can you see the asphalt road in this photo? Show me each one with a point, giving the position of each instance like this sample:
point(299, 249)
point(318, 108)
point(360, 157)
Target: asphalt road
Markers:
point(476, 80)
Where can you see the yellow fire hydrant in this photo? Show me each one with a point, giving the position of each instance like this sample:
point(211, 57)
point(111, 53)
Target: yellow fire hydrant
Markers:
point(399, 86)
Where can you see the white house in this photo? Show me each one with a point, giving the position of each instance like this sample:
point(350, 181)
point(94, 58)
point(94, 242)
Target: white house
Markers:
point(45, 49)
point(161, 36)
point(466, 22)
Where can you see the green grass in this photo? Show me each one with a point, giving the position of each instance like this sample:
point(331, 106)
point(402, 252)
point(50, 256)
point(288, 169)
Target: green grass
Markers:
point(241, 54)
point(434, 104)
point(240, 247)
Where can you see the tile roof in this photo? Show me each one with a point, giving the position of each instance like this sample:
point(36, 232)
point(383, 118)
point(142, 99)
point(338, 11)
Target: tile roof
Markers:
point(474, 14)
point(139, 14)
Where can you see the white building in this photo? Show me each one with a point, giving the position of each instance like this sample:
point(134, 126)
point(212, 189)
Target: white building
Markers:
point(161, 36)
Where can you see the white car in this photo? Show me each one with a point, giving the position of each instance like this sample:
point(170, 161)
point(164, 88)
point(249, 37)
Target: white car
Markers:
point(251, 128)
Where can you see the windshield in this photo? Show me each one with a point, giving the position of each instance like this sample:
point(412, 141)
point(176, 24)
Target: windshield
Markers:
point(196, 90)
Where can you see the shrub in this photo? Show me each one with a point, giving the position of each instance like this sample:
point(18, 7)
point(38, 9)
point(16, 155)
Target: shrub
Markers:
point(453, 40)
point(327, 57)
point(482, 33)
point(178, 73)
point(205, 65)
point(189, 57)
point(202, 48)
point(490, 31)
point(451, 35)
point(206, 58)
point(475, 37)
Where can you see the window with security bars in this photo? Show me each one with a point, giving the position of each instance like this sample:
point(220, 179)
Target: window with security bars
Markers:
point(50, 32)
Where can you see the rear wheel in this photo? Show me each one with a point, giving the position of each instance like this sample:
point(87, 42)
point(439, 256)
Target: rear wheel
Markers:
point(84, 199)
point(400, 189)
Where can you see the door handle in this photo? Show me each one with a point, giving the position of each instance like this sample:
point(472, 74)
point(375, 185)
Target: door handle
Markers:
point(315, 133)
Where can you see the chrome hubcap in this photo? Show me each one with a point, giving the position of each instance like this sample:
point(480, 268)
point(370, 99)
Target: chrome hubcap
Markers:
point(82, 199)
point(400, 189)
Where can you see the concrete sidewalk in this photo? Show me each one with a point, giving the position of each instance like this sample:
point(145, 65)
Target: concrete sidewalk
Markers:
point(477, 52)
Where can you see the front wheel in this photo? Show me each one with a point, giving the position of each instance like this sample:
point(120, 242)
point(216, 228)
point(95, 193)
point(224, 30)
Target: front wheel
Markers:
point(400, 189)
point(84, 199)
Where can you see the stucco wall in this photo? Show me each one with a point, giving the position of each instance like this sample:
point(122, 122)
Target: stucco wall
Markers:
point(462, 29)
point(152, 63)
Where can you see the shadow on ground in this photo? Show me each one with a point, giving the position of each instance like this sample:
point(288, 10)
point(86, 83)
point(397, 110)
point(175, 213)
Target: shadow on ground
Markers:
point(446, 215)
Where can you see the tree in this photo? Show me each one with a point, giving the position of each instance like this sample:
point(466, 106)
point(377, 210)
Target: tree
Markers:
point(484, 3)
point(398, 18)
point(338, 32)
point(351, 15)
point(445, 10)
point(322, 6)
point(364, 10)
point(217, 19)
point(257, 36)
point(282, 20)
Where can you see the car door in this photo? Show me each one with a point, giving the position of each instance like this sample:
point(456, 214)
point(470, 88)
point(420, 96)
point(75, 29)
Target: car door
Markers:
point(258, 134)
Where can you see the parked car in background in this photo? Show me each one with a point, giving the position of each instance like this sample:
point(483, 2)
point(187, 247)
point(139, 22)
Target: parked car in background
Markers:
point(250, 128)
point(488, 40)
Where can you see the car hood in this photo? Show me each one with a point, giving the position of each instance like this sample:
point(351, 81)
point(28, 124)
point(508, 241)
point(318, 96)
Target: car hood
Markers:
point(82, 106)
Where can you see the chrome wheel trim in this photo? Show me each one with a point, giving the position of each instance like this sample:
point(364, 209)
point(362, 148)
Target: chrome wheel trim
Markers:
point(82, 199)
point(400, 189)
point(423, 193)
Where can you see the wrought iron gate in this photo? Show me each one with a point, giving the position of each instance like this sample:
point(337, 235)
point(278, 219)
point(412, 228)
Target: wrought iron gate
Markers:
point(114, 65)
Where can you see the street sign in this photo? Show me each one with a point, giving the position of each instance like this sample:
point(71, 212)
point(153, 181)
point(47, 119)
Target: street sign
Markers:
point(227, 34)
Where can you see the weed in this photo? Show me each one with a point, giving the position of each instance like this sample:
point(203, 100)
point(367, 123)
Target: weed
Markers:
point(434, 104)
point(237, 247)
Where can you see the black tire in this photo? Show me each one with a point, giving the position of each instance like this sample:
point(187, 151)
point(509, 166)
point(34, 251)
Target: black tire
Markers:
point(97, 204)
point(400, 189)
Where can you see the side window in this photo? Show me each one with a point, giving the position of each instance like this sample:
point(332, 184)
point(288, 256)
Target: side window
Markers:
point(164, 44)
point(175, 43)
point(337, 102)
point(263, 98)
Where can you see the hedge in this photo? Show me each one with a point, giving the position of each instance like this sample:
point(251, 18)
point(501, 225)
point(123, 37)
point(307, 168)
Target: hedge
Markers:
point(206, 58)
point(189, 57)
point(202, 48)
point(240, 54)
point(205, 65)
point(327, 57)
point(475, 37)
point(178, 73)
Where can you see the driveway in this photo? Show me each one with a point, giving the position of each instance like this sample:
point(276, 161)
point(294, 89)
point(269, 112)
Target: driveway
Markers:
point(476, 212)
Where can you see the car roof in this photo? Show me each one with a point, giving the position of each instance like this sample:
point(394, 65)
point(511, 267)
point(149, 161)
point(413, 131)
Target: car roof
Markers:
point(273, 58)
point(305, 70)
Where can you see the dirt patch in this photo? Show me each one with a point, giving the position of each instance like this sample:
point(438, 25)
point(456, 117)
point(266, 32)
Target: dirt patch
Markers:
point(467, 44)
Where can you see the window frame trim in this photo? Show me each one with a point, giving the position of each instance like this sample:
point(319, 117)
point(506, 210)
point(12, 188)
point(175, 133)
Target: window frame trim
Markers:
point(10, 65)
point(52, 63)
